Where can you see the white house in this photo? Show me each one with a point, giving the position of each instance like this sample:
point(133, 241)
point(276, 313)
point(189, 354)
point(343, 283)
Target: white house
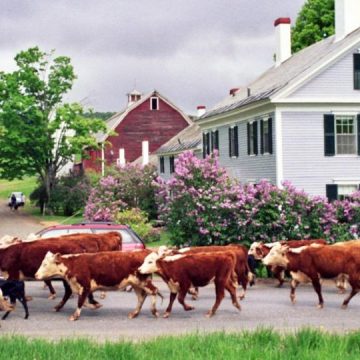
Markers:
point(300, 120)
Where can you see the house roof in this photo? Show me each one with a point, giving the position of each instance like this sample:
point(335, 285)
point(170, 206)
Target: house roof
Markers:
point(152, 160)
point(187, 139)
point(117, 118)
point(275, 79)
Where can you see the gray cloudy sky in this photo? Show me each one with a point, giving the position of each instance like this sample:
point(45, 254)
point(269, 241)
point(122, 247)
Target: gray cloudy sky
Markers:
point(192, 51)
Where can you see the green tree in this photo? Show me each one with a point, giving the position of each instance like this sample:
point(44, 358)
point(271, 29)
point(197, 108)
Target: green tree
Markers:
point(40, 133)
point(315, 22)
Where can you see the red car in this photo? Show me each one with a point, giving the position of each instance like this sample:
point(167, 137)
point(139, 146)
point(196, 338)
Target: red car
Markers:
point(130, 240)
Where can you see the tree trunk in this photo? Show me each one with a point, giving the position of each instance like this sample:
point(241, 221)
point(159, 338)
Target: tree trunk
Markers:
point(49, 182)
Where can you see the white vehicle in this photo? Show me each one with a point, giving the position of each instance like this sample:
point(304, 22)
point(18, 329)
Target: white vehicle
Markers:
point(19, 199)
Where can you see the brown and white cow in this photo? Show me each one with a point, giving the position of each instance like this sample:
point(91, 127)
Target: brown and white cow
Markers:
point(243, 273)
point(21, 261)
point(259, 250)
point(111, 270)
point(312, 263)
point(182, 271)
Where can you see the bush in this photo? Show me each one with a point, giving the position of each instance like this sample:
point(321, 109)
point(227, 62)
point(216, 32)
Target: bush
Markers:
point(202, 205)
point(126, 187)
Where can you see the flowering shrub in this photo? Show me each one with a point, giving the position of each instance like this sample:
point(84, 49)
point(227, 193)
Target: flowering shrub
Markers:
point(202, 205)
point(130, 186)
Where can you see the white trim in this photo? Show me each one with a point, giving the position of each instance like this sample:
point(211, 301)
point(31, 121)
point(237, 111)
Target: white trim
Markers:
point(346, 181)
point(279, 149)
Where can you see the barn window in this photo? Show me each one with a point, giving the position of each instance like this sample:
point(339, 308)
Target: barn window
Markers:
point(162, 164)
point(357, 71)
point(154, 103)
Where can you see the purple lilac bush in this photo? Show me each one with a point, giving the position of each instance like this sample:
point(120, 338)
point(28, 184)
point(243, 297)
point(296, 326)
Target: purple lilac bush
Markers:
point(126, 187)
point(202, 205)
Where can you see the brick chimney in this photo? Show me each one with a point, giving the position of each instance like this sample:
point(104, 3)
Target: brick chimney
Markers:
point(283, 40)
point(347, 17)
point(201, 110)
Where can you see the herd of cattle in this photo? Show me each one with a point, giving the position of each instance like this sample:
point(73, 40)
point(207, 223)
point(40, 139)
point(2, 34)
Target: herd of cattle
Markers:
point(89, 262)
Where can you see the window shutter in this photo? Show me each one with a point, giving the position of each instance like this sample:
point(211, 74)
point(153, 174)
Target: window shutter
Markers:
point(261, 136)
point(217, 140)
point(270, 136)
point(204, 145)
point(358, 133)
point(248, 138)
point(332, 192)
point(255, 138)
point(329, 135)
point(230, 142)
point(236, 142)
point(207, 143)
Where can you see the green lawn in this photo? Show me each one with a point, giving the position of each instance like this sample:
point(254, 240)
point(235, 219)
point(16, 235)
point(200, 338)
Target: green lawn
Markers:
point(262, 344)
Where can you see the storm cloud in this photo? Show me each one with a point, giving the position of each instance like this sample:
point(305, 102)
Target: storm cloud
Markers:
point(192, 52)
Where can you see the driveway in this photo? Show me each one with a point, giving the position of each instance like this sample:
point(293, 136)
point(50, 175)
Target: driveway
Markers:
point(264, 306)
point(16, 223)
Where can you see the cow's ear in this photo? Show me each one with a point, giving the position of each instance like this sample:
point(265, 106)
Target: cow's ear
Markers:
point(57, 258)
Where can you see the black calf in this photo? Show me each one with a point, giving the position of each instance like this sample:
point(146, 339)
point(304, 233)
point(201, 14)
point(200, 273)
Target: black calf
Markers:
point(15, 290)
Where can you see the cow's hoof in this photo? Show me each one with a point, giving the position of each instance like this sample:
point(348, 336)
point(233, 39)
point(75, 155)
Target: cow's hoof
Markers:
point(28, 298)
point(155, 313)
point(57, 308)
point(189, 308)
point(209, 314)
point(319, 306)
point(52, 296)
point(242, 297)
point(194, 297)
point(344, 306)
point(102, 295)
point(132, 315)
point(166, 315)
point(74, 317)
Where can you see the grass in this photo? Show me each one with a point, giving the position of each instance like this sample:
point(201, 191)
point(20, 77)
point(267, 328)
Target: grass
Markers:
point(164, 240)
point(262, 344)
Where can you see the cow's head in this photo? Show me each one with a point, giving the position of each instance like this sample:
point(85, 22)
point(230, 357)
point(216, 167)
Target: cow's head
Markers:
point(277, 256)
point(255, 250)
point(51, 266)
point(149, 265)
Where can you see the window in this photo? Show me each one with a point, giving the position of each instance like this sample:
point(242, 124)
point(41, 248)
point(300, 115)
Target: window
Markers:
point(214, 140)
point(345, 135)
point(154, 103)
point(206, 144)
point(162, 164)
point(357, 71)
point(340, 192)
point(172, 164)
point(266, 136)
point(233, 142)
point(252, 138)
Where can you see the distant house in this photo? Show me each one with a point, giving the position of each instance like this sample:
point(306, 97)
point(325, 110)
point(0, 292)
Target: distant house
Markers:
point(147, 123)
point(300, 120)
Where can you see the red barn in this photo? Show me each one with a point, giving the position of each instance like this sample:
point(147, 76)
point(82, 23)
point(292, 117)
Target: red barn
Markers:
point(151, 118)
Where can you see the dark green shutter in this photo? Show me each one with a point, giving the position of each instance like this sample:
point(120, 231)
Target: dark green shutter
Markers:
point(230, 142)
point(358, 133)
point(236, 142)
point(261, 136)
point(270, 136)
point(204, 145)
point(255, 124)
point(329, 135)
point(332, 192)
point(248, 138)
point(217, 140)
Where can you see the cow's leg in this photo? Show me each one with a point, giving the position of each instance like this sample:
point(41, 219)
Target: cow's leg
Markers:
point(171, 302)
point(317, 287)
point(13, 304)
point(232, 290)
point(24, 304)
point(66, 296)
point(243, 280)
point(279, 275)
point(341, 283)
point(194, 292)
point(52, 295)
point(354, 290)
point(220, 293)
point(294, 284)
point(181, 296)
point(92, 303)
point(141, 296)
point(81, 300)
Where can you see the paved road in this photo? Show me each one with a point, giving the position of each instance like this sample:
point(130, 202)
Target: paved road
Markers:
point(16, 223)
point(265, 306)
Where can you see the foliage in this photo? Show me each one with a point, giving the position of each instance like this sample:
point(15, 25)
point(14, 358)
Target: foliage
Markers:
point(315, 22)
point(40, 133)
point(126, 187)
point(99, 115)
point(202, 205)
point(69, 194)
